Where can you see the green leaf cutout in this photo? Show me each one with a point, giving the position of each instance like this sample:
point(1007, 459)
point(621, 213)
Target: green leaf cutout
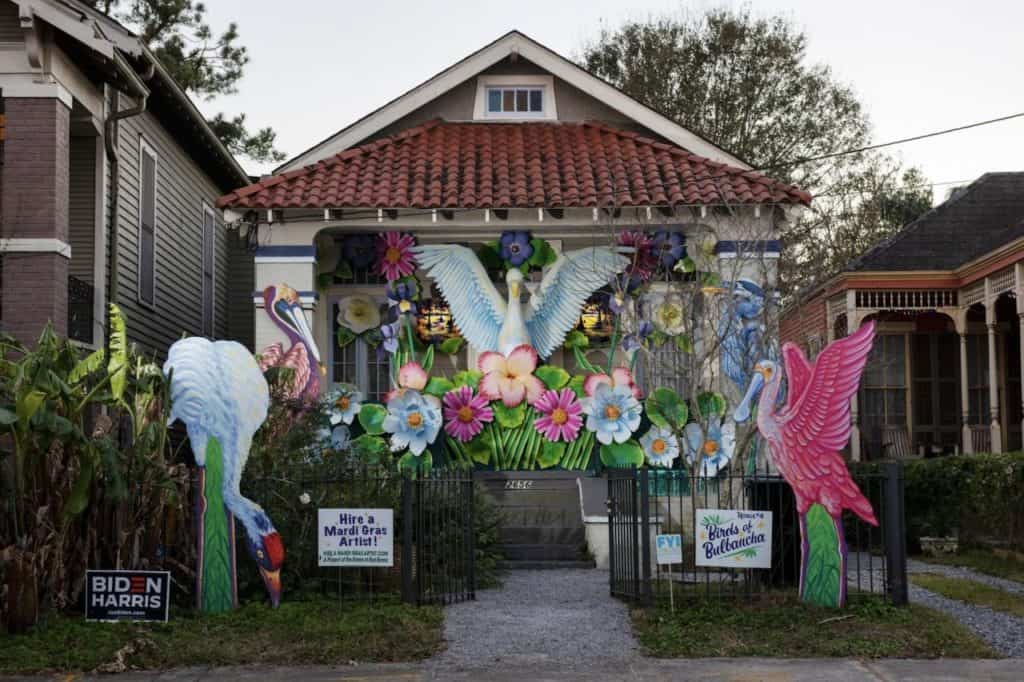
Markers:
point(576, 384)
point(543, 254)
point(582, 362)
point(553, 377)
point(509, 417)
point(684, 343)
point(822, 581)
point(710, 403)
point(576, 339)
point(371, 418)
point(428, 359)
point(620, 455)
point(453, 345)
point(438, 386)
point(412, 463)
point(370, 447)
point(551, 454)
point(481, 449)
point(665, 409)
point(344, 336)
point(468, 377)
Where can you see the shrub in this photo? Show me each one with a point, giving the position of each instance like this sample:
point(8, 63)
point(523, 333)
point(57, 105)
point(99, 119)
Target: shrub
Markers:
point(977, 498)
point(87, 475)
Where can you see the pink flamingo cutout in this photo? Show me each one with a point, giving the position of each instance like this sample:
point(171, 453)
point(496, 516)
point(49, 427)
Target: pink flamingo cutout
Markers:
point(805, 438)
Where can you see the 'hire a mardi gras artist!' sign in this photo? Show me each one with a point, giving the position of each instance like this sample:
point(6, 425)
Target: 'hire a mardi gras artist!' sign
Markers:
point(127, 595)
point(356, 537)
point(734, 538)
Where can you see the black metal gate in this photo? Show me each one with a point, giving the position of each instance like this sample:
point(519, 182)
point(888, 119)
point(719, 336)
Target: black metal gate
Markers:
point(629, 538)
point(438, 537)
point(642, 503)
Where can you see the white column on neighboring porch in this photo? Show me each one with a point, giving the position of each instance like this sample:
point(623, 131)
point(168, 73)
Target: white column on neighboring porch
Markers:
point(995, 431)
point(852, 325)
point(965, 397)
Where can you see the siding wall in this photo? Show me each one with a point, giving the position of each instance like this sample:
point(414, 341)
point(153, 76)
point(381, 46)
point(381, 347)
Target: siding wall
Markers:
point(805, 325)
point(182, 191)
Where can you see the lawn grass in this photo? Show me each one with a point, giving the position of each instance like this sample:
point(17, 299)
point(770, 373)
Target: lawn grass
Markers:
point(981, 561)
point(782, 626)
point(971, 592)
point(296, 633)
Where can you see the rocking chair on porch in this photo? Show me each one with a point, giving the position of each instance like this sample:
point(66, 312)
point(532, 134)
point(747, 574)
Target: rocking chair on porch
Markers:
point(895, 442)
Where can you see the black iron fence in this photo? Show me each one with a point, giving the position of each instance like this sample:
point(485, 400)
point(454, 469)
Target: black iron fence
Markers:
point(433, 536)
point(647, 502)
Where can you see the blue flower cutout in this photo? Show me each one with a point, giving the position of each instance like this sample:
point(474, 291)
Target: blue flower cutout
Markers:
point(613, 414)
point(340, 438)
point(343, 403)
point(670, 247)
point(713, 450)
point(515, 247)
point(413, 420)
point(638, 339)
point(359, 250)
point(661, 446)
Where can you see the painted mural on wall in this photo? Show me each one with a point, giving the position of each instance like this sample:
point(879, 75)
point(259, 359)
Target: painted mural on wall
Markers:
point(805, 438)
point(218, 391)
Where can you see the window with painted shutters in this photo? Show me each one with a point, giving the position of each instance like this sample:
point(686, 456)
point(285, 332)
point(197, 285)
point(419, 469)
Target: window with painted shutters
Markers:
point(209, 279)
point(147, 225)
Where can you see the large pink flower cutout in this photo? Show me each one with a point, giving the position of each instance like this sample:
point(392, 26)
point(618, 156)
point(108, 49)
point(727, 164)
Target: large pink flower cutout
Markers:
point(560, 418)
point(411, 375)
point(510, 379)
point(620, 377)
point(394, 255)
point(465, 414)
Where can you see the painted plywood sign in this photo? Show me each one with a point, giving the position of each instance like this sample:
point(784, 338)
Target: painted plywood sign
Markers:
point(356, 537)
point(734, 538)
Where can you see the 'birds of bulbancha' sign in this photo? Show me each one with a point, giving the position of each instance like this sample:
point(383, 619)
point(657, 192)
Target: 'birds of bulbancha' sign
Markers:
point(734, 538)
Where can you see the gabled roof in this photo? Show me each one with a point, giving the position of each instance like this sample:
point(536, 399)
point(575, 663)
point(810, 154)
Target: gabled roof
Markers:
point(108, 40)
point(516, 44)
point(507, 165)
point(976, 220)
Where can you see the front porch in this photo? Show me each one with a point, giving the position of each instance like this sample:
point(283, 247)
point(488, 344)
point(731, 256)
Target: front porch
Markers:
point(945, 374)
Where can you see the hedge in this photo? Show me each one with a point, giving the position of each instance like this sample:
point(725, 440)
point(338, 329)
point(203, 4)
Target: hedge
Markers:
point(976, 498)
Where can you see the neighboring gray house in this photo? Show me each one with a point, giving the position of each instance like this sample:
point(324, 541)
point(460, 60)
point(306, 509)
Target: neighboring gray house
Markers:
point(100, 145)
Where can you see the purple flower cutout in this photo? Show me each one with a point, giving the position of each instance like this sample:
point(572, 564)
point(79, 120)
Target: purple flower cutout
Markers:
point(515, 247)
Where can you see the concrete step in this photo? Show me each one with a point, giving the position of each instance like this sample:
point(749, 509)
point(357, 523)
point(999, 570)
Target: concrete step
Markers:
point(542, 565)
point(540, 551)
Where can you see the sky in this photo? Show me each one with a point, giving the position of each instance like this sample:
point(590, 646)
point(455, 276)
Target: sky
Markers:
point(318, 65)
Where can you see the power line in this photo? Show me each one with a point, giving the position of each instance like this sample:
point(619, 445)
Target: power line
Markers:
point(904, 140)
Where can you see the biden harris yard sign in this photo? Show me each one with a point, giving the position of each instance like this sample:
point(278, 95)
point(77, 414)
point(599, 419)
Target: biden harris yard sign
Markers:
point(734, 538)
point(127, 595)
point(356, 537)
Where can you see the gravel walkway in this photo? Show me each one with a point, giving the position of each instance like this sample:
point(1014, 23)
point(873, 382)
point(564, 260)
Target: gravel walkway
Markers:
point(563, 616)
point(1003, 632)
point(915, 566)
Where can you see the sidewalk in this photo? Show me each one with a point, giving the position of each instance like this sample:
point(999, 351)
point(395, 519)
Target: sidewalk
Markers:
point(751, 669)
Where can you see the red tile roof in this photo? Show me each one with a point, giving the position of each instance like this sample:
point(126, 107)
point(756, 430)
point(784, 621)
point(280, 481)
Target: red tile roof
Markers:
point(512, 165)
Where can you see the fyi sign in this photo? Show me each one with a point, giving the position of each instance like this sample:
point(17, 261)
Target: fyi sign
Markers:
point(127, 595)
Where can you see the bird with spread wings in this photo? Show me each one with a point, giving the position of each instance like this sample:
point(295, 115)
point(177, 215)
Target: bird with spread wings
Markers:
point(490, 323)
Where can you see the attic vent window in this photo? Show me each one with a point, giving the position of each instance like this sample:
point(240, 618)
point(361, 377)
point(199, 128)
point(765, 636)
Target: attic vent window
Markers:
point(515, 101)
point(515, 97)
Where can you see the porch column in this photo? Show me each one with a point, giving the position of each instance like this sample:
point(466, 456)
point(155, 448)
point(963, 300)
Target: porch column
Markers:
point(965, 400)
point(34, 232)
point(995, 431)
point(1021, 348)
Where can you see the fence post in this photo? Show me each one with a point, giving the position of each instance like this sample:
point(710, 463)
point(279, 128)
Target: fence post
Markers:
point(646, 597)
point(470, 523)
point(407, 539)
point(895, 534)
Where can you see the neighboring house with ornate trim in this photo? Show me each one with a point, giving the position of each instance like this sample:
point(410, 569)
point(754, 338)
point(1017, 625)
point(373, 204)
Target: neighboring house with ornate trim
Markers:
point(99, 142)
point(513, 137)
point(947, 292)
